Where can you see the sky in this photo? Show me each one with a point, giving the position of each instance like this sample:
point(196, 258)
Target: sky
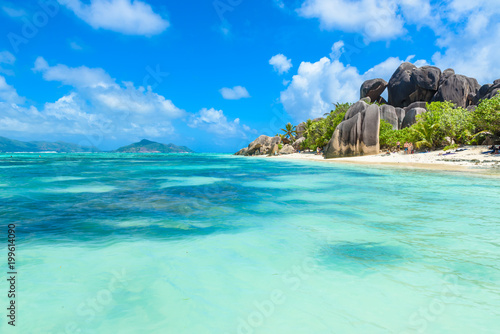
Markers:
point(215, 74)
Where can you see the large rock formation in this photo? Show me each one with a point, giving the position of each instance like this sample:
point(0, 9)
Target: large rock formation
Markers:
point(409, 84)
point(488, 91)
point(358, 134)
point(458, 89)
point(426, 81)
point(388, 113)
point(410, 89)
point(411, 117)
point(400, 112)
point(296, 144)
point(373, 89)
point(262, 145)
point(287, 149)
point(401, 86)
point(300, 129)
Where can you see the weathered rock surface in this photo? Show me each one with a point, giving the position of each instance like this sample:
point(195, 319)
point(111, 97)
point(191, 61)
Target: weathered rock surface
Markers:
point(358, 134)
point(418, 104)
point(388, 113)
point(356, 108)
point(262, 145)
point(400, 112)
point(373, 89)
point(458, 89)
point(298, 142)
point(243, 151)
point(401, 86)
point(426, 80)
point(300, 129)
point(409, 84)
point(411, 117)
point(488, 91)
point(287, 149)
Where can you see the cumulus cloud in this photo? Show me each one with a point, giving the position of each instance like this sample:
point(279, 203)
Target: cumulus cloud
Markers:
point(281, 63)
point(214, 121)
point(317, 85)
point(468, 32)
point(80, 77)
point(235, 93)
point(130, 17)
point(9, 93)
point(471, 47)
point(376, 20)
point(96, 105)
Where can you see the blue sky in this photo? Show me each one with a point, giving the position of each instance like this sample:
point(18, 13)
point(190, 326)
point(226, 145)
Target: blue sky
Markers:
point(213, 75)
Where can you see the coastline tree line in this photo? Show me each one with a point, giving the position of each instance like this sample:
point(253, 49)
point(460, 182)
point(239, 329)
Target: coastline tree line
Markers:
point(443, 125)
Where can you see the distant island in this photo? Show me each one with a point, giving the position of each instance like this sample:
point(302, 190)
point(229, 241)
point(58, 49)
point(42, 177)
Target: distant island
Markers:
point(10, 146)
point(147, 146)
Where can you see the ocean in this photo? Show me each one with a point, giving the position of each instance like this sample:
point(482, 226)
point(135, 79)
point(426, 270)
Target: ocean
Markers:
point(213, 243)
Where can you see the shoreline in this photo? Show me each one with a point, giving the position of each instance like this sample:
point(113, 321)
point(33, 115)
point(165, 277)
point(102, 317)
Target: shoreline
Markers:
point(471, 160)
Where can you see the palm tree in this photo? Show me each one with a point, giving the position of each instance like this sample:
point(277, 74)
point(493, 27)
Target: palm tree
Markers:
point(427, 134)
point(290, 131)
point(307, 128)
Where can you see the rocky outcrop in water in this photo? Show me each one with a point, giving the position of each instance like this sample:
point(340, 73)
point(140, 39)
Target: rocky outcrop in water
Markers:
point(263, 145)
point(357, 134)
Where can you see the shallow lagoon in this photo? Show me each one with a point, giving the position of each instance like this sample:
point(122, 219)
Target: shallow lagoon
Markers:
point(116, 243)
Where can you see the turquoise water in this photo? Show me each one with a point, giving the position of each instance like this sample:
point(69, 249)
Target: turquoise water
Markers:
point(111, 243)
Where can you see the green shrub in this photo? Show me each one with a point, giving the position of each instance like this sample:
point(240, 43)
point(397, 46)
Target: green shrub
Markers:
point(389, 138)
point(319, 133)
point(486, 117)
point(450, 147)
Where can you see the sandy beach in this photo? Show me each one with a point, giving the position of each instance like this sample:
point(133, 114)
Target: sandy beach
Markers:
point(471, 160)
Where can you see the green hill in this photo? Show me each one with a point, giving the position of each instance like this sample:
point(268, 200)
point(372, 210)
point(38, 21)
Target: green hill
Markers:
point(10, 145)
point(147, 146)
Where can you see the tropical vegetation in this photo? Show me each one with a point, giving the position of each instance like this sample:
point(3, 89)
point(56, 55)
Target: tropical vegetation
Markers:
point(443, 125)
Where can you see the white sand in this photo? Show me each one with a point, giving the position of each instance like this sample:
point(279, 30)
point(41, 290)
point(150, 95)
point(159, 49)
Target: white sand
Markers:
point(469, 160)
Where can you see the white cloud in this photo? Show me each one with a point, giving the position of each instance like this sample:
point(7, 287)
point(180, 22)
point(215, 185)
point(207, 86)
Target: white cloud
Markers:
point(7, 58)
point(97, 105)
point(9, 93)
point(471, 39)
point(80, 77)
point(214, 121)
point(317, 85)
point(281, 63)
point(279, 3)
point(468, 32)
point(376, 20)
point(130, 17)
point(235, 93)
